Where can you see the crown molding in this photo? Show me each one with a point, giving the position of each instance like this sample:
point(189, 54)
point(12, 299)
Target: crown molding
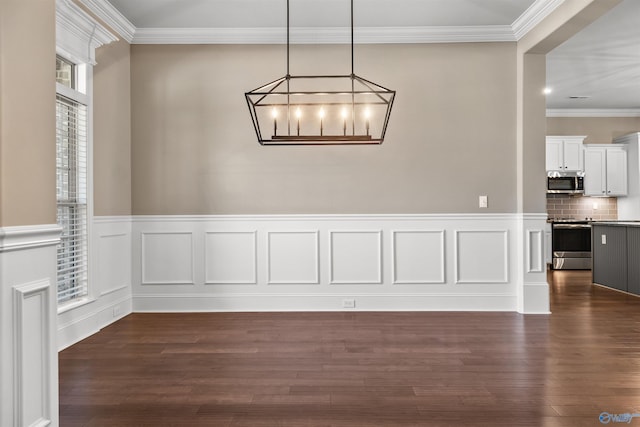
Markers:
point(531, 17)
point(604, 112)
point(112, 17)
point(78, 34)
point(324, 35)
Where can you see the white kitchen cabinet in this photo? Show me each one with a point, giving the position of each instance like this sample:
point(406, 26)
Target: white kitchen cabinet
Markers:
point(605, 170)
point(564, 153)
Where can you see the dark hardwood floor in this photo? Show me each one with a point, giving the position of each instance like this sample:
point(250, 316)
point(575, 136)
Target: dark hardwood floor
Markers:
point(363, 369)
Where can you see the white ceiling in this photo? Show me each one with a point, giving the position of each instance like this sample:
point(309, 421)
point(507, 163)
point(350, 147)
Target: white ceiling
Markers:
point(602, 61)
point(318, 13)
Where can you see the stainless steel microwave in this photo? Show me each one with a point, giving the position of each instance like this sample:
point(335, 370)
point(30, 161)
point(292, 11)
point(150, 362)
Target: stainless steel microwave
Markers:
point(565, 183)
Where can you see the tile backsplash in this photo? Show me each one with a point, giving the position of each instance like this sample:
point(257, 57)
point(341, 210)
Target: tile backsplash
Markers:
point(580, 207)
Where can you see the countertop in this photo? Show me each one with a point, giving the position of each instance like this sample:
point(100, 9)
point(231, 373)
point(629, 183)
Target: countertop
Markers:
point(618, 223)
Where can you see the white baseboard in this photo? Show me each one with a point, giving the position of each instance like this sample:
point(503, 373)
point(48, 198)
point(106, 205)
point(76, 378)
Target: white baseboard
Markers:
point(536, 298)
point(324, 302)
point(81, 327)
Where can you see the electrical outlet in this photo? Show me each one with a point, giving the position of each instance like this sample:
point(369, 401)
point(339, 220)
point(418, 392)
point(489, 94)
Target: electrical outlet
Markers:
point(348, 303)
point(603, 237)
point(483, 201)
point(117, 310)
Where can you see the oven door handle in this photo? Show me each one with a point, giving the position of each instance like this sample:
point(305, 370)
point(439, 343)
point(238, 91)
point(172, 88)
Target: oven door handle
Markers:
point(570, 226)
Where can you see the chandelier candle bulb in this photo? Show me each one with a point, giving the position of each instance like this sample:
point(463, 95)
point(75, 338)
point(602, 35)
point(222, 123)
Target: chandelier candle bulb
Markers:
point(344, 121)
point(367, 114)
point(298, 115)
point(274, 114)
point(321, 120)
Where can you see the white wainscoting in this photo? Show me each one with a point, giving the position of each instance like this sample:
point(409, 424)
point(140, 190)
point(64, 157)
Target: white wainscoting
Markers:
point(110, 273)
point(28, 353)
point(534, 298)
point(316, 262)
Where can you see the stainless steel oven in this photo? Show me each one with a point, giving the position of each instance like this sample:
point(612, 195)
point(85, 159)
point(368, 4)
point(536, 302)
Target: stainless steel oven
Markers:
point(571, 245)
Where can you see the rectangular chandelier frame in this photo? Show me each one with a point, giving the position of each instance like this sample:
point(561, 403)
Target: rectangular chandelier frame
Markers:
point(320, 109)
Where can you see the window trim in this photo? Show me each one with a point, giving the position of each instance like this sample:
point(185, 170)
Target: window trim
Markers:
point(83, 77)
point(78, 35)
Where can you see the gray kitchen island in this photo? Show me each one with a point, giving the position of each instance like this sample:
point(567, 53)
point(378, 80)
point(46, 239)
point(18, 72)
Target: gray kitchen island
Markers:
point(616, 255)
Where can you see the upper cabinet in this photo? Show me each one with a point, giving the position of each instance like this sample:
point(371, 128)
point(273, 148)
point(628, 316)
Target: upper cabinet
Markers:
point(564, 153)
point(605, 170)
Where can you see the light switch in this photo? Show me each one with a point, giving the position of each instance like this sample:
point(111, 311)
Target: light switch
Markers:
point(604, 239)
point(483, 202)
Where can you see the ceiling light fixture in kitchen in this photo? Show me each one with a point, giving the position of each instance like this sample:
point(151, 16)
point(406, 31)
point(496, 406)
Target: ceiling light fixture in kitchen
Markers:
point(320, 109)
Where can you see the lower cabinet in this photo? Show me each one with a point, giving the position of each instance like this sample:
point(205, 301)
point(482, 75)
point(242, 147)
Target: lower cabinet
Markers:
point(633, 260)
point(616, 257)
point(609, 246)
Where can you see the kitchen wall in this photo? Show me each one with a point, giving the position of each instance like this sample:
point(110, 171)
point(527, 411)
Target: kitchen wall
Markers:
point(579, 207)
point(450, 138)
point(599, 130)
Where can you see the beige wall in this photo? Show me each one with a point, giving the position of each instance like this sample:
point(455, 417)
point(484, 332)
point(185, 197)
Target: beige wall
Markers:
point(598, 130)
point(450, 138)
point(534, 170)
point(27, 112)
point(112, 130)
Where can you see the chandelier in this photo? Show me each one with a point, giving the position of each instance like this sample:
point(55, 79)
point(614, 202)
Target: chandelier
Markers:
point(320, 110)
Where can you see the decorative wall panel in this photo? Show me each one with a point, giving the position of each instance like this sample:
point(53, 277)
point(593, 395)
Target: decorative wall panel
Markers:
point(418, 257)
point(114, 262)
point(32, 363)
point(482, 256)
point(535, 251)
point(356, 257)
point(167, 258)
point(293, 257)
point(230, 257)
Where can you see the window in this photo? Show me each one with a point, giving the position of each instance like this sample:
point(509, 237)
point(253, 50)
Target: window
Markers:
point(71, 184)
point(65, 72)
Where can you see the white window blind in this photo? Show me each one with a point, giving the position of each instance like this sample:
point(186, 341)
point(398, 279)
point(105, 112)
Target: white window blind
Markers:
point(71, 168)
